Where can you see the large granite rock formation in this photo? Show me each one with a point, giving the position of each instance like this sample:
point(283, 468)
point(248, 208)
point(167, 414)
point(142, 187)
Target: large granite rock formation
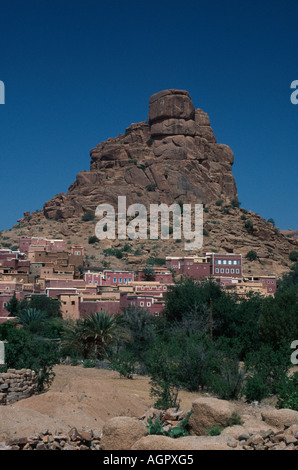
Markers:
point(171, 157)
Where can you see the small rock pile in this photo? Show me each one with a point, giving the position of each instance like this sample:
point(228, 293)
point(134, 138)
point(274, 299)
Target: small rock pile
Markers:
point(286, 439)
point(46, 440)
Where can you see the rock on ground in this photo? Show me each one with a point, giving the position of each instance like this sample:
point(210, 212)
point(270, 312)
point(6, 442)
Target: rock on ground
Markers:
point(121, 433)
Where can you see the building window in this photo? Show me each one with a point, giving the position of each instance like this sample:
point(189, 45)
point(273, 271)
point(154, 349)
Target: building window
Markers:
point(114, 280)
point(148, 304)
point(227, 271)
point(142, 304)
point(222, 270)
point(237, 271)
point(232, 271)
point(217, 270)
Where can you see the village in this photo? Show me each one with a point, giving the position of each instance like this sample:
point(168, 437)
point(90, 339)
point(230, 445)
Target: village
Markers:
point(43, 266)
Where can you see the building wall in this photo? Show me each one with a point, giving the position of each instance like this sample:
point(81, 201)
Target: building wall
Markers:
point(70, 308)
point(112, 278)
point(112, 307)
point(226, 265)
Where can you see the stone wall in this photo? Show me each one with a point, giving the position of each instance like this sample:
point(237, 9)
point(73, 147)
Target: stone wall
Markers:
point(16, 385)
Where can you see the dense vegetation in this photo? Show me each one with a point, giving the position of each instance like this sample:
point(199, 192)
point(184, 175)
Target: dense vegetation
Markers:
point(207, 339)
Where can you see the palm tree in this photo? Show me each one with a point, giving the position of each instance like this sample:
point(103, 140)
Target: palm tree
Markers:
point(31, 318)
point(97, 332)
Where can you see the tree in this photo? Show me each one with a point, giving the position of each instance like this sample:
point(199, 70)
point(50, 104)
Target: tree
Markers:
point(148, 273)
point(293, 256)
point(97, 332)
point(89, 215)
point(93, 239)
point(13, 306)
point(249, 226)
point(278, 318)
point(48, 305)
point(25, 350)
point(31, 318)
point(139, 325)
point(271, 221)
point(188, 295)
point(251, 255)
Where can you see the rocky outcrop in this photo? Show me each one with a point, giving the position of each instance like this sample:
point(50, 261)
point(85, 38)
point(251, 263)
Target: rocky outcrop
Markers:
point(174, 155)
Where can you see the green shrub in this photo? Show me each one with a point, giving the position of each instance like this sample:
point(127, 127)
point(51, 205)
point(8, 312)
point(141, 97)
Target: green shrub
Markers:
point(234, 420)
point(93, 239)
point(88, 364)
point(214, 431)
point(251, 255)
point(271, 221)
point(151, 187)
point(180, 430)
point(287, 391)
point(293, 256)
point(256, 388)
point(235, 203)
point(124, 363)
point(249, 226)
point(89, 215)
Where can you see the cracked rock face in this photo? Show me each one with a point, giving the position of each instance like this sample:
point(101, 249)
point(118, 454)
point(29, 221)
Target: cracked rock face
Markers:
point(173, 156)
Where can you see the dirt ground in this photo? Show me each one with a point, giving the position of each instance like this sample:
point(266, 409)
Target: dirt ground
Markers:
point(86, 398)
point(80, 397)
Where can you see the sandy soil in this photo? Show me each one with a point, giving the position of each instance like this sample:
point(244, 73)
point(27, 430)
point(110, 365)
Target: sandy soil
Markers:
point(84, 398)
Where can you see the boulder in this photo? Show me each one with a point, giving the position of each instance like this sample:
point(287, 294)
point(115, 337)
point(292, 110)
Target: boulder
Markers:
point(280, 418)
point(170, 104)
point(155, 442)
point(121, 433)
point(209, 412)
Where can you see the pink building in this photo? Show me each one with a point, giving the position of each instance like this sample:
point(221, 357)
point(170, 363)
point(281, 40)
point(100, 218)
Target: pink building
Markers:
point(93, 278)
point(162, 275)
point(150, 288)
point(114, 278)
point(77, 251)
point(225, 265)
point(268, 282)
point(31, 244)
point(4, 299)
point(193, 266)
point(94, 305)
point(150, 303)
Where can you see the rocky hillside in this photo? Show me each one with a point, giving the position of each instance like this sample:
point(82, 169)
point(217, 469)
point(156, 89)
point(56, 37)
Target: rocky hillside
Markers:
point(171, 158)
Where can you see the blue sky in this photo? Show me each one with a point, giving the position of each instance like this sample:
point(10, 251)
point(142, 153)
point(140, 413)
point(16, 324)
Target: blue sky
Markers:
point(78, 72)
